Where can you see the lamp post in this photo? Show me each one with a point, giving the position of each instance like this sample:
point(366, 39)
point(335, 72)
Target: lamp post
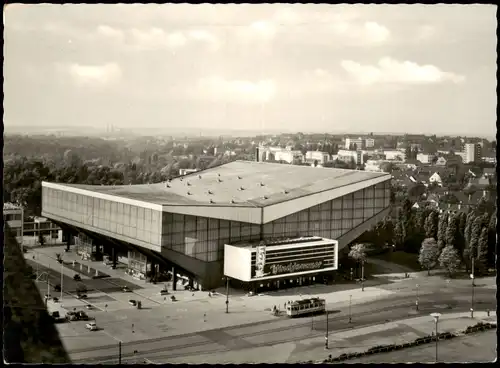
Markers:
point(350, 302)
point(326, 335)
point(62, 265)
point(436, 320)
point(362, 275)
point(227, 294)
point(416, 301)
point(472, 298)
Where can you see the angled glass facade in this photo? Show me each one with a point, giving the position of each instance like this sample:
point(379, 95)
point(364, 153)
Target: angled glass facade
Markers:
point(204, 238)
point(134, 222)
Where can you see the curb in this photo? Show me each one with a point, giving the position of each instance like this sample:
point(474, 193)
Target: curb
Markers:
point(480, 326)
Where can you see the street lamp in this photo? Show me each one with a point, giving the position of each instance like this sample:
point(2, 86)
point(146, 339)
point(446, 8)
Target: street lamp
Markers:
point(326, 335)
point(62, 265)
point(472, 298)
point(350, 302)
point(416, 301)
point(363, 275)
point(227, 294)
point(436, 320)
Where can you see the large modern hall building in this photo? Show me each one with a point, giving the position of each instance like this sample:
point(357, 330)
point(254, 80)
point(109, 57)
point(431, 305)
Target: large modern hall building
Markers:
point(217, 222)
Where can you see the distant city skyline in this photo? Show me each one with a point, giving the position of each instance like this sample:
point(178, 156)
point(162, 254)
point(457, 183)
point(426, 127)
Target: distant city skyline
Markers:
point(312, 68)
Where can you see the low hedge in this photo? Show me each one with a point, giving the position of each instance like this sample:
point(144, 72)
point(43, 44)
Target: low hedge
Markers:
point(481, 326)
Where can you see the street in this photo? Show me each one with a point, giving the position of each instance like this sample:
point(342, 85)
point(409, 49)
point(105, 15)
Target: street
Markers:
point(281, 330)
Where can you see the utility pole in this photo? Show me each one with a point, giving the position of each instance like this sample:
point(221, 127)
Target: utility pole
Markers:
point(61, 281)
point(416, 301)
point(227, 294)
point(472, 287)
point(119, 352)
point(326, 335)
point(363, 275)
point(350, 302)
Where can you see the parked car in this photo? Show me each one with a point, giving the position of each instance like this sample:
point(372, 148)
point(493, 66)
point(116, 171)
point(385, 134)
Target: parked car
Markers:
point(126, 289)
point(132, 302)
point(72, 316)
point(57, 317)
point(92, 326)
point(81, 296)
point(77, 277)
point(82, 316)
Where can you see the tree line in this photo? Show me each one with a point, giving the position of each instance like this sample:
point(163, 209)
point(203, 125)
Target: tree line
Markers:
point(456, 239)
point(23, 176)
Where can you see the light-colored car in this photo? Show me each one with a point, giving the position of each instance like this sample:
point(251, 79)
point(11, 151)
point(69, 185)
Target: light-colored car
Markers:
point(92, 326)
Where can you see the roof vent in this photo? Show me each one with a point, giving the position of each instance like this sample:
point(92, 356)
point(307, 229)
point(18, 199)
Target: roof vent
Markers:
point(219, 180)
point(181, 178)
point(167, 185)
point(285, 191)
point(188, 184)
point(261, 184)
point(199, 176)
point(265, 197)
point(212, 201)
point(218, 174)
point(189, 193)
point(232, 201)
point(210, 192)
point(241, 188)
point(239, 177)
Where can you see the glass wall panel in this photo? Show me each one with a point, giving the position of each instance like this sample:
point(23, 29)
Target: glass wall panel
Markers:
point(235, 231)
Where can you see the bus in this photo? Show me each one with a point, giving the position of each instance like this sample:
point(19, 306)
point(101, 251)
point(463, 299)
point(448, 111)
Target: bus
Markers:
point(305, 306)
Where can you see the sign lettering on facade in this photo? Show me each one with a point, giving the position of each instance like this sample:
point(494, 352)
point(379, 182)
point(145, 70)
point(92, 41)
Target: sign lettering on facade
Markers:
point(260, 260)
point(292, 267)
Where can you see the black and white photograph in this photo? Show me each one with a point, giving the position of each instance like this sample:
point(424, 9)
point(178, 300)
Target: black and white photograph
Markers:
point(249, 183)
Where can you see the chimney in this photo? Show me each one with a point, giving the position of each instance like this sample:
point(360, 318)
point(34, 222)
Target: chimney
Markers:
point(257, 154)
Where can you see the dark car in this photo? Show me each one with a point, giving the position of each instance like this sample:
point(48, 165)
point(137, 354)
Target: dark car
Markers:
point(81, 296)
point(82, 316)
point(126, 289)
point(77, 277)
point(132, 302)
point(57, 287)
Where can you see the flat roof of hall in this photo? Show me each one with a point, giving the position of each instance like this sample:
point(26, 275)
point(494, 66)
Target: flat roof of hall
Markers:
point(278, 241)
point(239, 183)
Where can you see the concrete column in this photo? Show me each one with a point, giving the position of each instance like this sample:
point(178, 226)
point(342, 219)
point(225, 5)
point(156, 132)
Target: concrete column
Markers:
point(114, 256)
point(174, 279)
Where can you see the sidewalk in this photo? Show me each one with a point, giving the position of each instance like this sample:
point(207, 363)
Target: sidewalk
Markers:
point(357, 340)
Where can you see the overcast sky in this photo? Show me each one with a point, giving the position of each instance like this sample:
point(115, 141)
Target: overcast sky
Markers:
point(417, 68)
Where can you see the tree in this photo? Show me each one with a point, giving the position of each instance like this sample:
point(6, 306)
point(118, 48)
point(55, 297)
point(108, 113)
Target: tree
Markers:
point(431, 225)
point(449, 260)
point(482, 252)
point(419, 220)
point(441, 233)
point(492, 239)
point(358, 253)
point(452, 233)
point(429, 254)
point(399, 234)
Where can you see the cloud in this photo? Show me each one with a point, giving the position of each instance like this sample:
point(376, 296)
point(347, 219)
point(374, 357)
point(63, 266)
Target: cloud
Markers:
point(369, 33)
point(95, 74)
point(205, 37)
point(107, 31)
point(154, 38)
point(389, 70)
point(264, 29)
point(157, 38)
point(221, 89)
